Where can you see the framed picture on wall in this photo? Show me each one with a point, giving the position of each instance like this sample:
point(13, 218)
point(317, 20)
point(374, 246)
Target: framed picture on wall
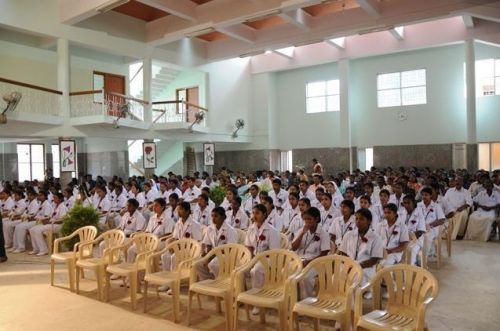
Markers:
point(67, 152)
point(149, 155)
point(209, 154)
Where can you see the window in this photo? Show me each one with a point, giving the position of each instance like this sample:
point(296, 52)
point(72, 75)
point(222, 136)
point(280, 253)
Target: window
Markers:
point(286, 161)
point(405, 88)
point(31, 161)
point(368, 158)
point(487, 77)
point(489, 156)
point(322, 96)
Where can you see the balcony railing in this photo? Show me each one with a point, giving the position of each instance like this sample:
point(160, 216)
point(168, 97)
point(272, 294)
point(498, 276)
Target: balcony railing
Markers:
point(99, 102)
point(177, 111)
point(34, 99)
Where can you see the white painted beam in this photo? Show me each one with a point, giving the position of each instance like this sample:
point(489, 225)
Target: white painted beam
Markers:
point(239, 32)
point(74, 11)
point(338, 43)
point(371, 7)
point(299, 18)
point(398, 32)
point(184, 9)
point(468, 21)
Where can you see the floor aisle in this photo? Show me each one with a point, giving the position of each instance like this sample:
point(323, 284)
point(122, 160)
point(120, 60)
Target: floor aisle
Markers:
point(468, 299)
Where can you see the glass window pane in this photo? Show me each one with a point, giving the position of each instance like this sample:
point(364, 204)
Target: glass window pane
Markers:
point(389, 98)
point(316, 105)
point(23, 171)
point(414, 96)
point(37, 171)
point(333, 87)
point(487, 86)
point(413, 78)
point(497, 67)
point(98, 82)
point(37, 153)
point(495, 156)
point(315, 89)
point(485, 68)
point(23, 153)
point(388, 81)
point(484, 156)
point(55, 161)
point(333, 103)
point(497, 85)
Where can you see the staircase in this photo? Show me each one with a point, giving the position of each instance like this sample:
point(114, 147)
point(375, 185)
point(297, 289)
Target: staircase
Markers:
point(162, 76)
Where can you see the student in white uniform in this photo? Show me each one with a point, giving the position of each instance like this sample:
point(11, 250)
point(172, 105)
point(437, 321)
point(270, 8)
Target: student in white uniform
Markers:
point(163, 192)
point(186, 227)
point(69, 199)
point(236, 217)
point(53, 223)
point(481, 221)
point(30, 212)
point(6, 204)
point(297, 223)
point(394, 234)
point(279, 195)
point(252, 201)
point(384, 197)
point(44, 212)
point(149, 194)
point(118, 206)
point(260, 237)
point(457, 201)
point(312, 241)
point(14, 218)
point(273, 217)
point(369, 191)
point(329, 212)
point(305, 193)
point(366, 203)
point(202, 213)
point(363, 245)
point(172, 210)
point(192, 192)
point(230, 195)
point(414, 221)
point(433, 216)
point(292, 211)
point(160, 224)
point(172, 188)
point(132, 221)
point(135, 193)
point(103, 205)
point(337, 198)
point(218, 233)
point(397, 198)
point(344, 223)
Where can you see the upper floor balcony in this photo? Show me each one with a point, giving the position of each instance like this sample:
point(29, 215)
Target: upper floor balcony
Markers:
point(179, 115)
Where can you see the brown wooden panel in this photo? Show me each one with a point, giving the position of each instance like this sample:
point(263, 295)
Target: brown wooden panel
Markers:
point(266, 22)
point(213, 36)
point(140, 11)
point(330, 8)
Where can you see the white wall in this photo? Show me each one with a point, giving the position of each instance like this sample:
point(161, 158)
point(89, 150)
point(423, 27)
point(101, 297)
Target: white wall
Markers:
point(187, 78)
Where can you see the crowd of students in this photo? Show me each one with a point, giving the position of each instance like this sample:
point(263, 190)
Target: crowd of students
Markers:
point(368, 216)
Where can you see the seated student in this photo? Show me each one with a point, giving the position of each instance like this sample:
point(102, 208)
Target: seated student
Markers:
point(298, 223)
point(172, 210)
point(273, 217)
point(53, 223)
point(218, 233)
point(329, 211)
point(312, 241)
point(394, 234)
point(192, 192)
point(44, 213)
point(14, 218)
point(292, 188)
point(135, 193)
point(337, 198)
point(414, 221)
point(252, 201)
point(433, 217)
point(480, 221)
point(397, 197)
point(305, 193)
point(230, 195)
point(350, 194)
point(319, 196)
point(6, 204)
point(366, 203)
point(344, 223)
point(69, 199)
point(363, 245)
point(261, 236)
point(160, 224)
point(236, 217)
point(279, 195)
point(457, 202)
point(149, 194)
point(186, 227)
point(203, 212)
point(206, 191)
point(118, 206)
point(132, 221)
point(384, 197)
point(292, 211)
point(369, 191)
point(102, 205)
point(172, 185)
point(163, 192)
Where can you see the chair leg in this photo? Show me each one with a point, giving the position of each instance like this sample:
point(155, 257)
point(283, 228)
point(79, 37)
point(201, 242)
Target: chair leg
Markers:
point(108, 285)
point(228, 310)
point(133, 289)
point(262, 314)
point(235, 315)
point(98, 273)
point(295, 317)
point(344, 324)
point(71, 275)
point(176, 301)
point(83, 274)
point(52, 265)
point(77, 279)
point(199, 300)
point(218, 305)
point(247, 310)
point(282, 316)
point(145, 296)
point(190, 302)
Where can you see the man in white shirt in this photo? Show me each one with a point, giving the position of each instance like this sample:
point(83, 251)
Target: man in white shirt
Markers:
point(252, 201)
point(394, 234)
point(236, 217)
point(433, 216)
point(278, 195)
point(457, 203)
point(192, 192)
point(132, 221)
point(172, 188)
point(305, 193)
point(202, 212)
point(480, 221)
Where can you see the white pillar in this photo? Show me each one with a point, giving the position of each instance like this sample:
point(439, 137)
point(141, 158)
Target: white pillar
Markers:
point(345, 108)
point(147, 67)
point(63, 75)
point(470, 78)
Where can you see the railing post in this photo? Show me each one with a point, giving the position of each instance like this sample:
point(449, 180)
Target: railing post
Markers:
point(147, 67)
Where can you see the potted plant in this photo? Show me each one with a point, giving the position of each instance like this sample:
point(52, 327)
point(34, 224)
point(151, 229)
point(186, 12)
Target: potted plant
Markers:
point(79, 216)
point(217, 194)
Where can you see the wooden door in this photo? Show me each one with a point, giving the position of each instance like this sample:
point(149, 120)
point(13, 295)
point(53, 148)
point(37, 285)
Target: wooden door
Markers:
point(115, 84)
point(192, 98)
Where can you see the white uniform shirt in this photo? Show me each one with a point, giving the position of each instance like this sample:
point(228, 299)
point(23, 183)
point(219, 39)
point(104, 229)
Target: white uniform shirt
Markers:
point(483, 199)
point(289, 215)
point(432, 212)
point(176, 191)
point(7, 204)
point(225, 235)
point(250, 203)
point(33, 206)
point(226, 204)
point(188, 229)
point(103, 205)
point(151, 196)
point(456, 198)
point(340, 228)
point(362, 249)
point(311, 196)
point(415, 221)
point(313, 244)
point(160, 225)
point(203, 216)
point(140, 197)
point(238, 220)
point(70, 202)
point(164, 195)
point(44, 210)
point(119, 202)
point(274, 219)
point(191, 194)
point(19, 207)
point(58, 213)
point(262, 239)
point(132, 223)
point(279, 198)
point(173, 214)
point(327, 217)
point(393, 235)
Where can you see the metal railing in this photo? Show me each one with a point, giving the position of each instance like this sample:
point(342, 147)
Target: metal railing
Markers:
point(177, 111)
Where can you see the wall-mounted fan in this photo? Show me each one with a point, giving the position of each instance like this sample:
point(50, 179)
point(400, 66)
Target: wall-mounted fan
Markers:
point(12, 99)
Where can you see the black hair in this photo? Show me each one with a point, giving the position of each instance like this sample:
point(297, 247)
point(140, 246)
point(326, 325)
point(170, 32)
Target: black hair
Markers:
point(186, 206)
point(349, 204)
point(365, 213)
point(366, 198)
point(314, 213)
point(294, 194)
point(174, 196)
point(203, 197)
point(135, 203)
point(391, 207)
point(268, 199)
point(261, 208)
point(277, 181)
point(220, 211)
point(427, 190)
point(237, 200)
point(386, 192)
point(306, 201)
point(161, 202)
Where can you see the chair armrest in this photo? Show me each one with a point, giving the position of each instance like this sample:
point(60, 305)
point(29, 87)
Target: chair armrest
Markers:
point(193, 278)
point(358, 301)
point(165, 238)
point(150, 258)
point(112, 252)
point(140, 256)
point(188, 263)
point(60, 240)
point(421, 313)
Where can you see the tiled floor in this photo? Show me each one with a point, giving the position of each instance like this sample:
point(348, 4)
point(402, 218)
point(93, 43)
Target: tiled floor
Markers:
point(469, 299)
